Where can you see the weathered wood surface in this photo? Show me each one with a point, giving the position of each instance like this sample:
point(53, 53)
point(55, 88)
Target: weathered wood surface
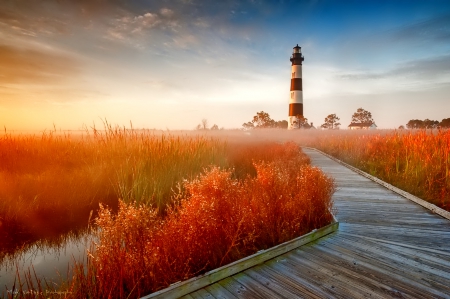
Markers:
point(195, 284)
point(386, 247)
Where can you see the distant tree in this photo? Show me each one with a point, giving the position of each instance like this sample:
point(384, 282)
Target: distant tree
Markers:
point(425, 124)
point(215, 127)
point(198, 127)
point(415, 124)
point(262, 120)
point(282, 124)
point(430, 124)
point(445, 123)
point(331, 122)
point(362, 116)
point(302, 122)
point(248, 125)
point(401, 127)
point(204, 124)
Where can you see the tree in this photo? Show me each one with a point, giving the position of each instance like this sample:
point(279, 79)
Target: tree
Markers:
point(331, 122)
point(423, 124)
point(301, 122)
point(430, 124)
point(362, 116)
point(248, 125)
point(204, 124)
point(282, 124)
point(401, 127)
point(415, 124)
point(445, 123)
point(262, 120)
point(215, 127)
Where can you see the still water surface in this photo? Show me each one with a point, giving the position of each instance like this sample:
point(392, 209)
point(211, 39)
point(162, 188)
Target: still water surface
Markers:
point(54, 263)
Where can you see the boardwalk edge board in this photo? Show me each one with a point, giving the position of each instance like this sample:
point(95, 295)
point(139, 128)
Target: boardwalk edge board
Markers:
point(179, 289)
point(435, 209)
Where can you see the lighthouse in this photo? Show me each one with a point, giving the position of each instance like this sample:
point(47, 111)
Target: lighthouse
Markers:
point(296, 97)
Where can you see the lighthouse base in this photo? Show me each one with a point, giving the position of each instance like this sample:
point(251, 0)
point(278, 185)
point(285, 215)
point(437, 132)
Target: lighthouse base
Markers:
point(293, 123)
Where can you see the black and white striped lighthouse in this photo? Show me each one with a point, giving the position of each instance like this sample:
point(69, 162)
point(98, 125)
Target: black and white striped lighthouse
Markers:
point(296, 100)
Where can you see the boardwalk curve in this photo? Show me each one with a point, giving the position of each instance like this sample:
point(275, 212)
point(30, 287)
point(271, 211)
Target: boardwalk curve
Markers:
point(386, 247)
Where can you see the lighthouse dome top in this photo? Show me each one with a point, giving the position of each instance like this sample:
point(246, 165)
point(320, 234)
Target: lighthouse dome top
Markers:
point(297, 49)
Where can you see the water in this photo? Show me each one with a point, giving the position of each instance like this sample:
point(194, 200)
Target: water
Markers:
point(54, 263)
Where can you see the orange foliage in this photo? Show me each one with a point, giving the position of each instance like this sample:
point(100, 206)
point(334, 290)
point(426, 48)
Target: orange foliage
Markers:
point(218, 220)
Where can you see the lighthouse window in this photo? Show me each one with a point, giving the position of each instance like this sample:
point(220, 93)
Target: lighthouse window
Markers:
point(293, 75)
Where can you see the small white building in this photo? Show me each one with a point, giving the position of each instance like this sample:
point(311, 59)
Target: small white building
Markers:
point(362, 126)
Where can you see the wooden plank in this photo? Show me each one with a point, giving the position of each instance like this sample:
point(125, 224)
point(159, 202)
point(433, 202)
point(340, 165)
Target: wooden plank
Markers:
point(312, 279)
point(423, 248)
point(193, 284)
point(371, 287)
point(202, 294)
point(260, 289)
point(376, 267)
point(237, 289)
point(414, 267)
point(341, 281)
point(303, 283)
point(379, 284)
point(295, 284)
point(219, 292)
point(432, 263)
point(270, 283)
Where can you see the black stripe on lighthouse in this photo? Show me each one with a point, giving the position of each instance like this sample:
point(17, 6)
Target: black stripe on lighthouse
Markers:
point(295, 109)
point(296, 84)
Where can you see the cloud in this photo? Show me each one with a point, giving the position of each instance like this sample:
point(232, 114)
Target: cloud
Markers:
point(26, 66)
point(166, 12)
point(435, 29)
point(32, 21)
point(423, 70)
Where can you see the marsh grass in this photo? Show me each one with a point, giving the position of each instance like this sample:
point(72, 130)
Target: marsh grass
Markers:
point(417, 161)
point(51, 184)
point(233, 199)
point(217, 219)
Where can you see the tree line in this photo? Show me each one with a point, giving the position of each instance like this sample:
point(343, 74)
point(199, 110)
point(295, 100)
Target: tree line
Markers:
point(263, 120)
point(427, 124)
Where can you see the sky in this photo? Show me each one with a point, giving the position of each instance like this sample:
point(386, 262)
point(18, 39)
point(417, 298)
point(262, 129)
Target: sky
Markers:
point(168, 64)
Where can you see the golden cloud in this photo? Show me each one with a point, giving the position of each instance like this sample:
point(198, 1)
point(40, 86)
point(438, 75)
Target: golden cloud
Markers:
point(30, 66)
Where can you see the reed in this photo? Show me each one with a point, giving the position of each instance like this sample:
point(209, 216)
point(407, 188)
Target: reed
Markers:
point(51, 184)
point(217, 219)
point(417, 161)
point(214, 218)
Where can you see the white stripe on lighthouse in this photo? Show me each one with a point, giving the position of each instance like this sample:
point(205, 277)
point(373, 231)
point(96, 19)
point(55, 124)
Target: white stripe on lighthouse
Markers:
point(296, 97)
point(297, 71)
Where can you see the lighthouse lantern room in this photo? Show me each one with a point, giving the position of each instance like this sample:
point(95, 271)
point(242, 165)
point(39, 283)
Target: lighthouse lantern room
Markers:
point(296, 99)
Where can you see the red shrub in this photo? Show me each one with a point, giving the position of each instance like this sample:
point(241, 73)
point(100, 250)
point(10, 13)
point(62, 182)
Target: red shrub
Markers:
point(218, 220)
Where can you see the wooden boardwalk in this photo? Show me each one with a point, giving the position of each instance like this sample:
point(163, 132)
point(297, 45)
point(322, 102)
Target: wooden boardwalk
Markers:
point(386, 247)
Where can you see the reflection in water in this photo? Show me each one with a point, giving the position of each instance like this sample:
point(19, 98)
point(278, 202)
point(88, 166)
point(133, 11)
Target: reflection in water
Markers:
point(52, 263)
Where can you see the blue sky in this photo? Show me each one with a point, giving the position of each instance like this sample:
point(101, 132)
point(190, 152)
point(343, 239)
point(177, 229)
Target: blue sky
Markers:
point(170, 64)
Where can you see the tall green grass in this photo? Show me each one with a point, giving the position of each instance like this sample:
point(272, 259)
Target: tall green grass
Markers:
point(51, 184)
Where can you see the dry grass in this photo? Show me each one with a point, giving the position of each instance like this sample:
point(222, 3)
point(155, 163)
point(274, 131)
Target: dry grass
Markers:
point(415, 161)
point(269, 195)
point(219, 219)
point(50, 184)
